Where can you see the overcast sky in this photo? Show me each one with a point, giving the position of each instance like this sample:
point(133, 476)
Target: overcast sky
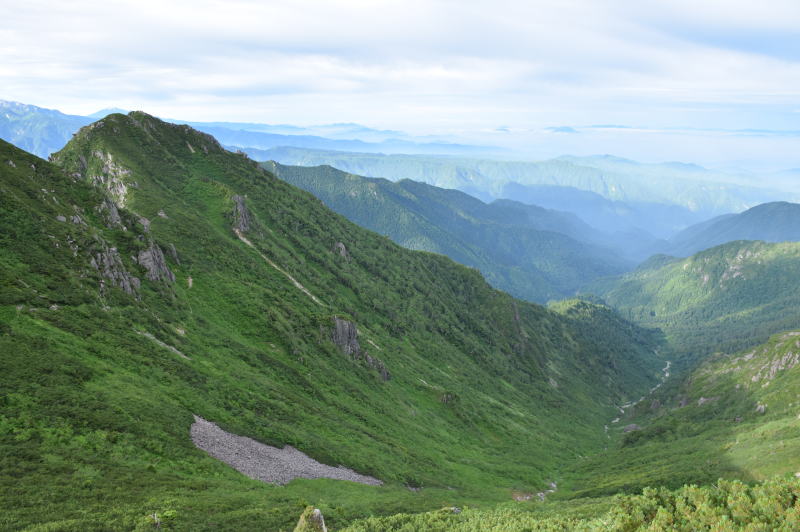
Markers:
point(677, 73)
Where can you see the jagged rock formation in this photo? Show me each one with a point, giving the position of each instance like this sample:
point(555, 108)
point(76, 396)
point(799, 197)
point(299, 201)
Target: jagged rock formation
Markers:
point(113, 177)
point(109, 263)
point(109, 209)
point(345, 336)
point(241, 216)
point(152, 259)
point(378, 365)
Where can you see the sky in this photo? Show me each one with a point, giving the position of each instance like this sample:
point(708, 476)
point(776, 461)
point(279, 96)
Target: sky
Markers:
point(714, 82)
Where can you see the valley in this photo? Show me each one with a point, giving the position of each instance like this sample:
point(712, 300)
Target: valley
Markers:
point(174, 314)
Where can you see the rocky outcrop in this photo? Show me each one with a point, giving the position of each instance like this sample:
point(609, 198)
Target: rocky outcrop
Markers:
point(341, 249)
point(113, 178)
point(345, 336)
point(377, 365)
point(152, 259)
point(311, 521)
point(241, 216)
point(448, 397)
point(108, 209)
point(632, 427)
point(109, 264)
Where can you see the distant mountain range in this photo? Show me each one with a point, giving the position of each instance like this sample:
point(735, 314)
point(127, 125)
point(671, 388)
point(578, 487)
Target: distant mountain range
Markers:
point(37, 130)
point(531, 252)
point(642, 205)
point(655, 199)
point(44, 131)
point(771, 222)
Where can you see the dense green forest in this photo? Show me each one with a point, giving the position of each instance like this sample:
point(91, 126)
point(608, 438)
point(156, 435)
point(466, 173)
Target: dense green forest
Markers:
point(530, 252)
point(722, 299)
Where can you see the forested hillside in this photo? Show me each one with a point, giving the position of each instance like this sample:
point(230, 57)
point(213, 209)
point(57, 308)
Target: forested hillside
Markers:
point(149, 276)
point(533, 253)
point(725, 298)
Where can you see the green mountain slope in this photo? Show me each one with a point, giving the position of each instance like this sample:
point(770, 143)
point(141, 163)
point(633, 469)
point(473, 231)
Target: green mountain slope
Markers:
point(530, 252)
point(725, 298)
point(734, 416)
point(151, 276)
point(772, 222)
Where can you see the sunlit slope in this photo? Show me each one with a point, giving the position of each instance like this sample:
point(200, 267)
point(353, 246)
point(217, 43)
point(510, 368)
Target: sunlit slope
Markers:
point(149, 275)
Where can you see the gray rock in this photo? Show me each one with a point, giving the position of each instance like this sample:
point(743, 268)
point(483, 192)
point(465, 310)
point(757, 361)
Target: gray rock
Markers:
point(378, 365)
point(152, 259)
point(109, 209)
point(109, 264)
point(61, 218)
point(345, 336)
point(113, 178)
point(632, 427)
point(264, 462)
point(448, 398)
point(761, 409)
point(340, 248)
point(241, 216)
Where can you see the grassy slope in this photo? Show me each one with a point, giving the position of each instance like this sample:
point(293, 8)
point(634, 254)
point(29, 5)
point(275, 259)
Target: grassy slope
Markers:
point(706, 425)
point(530, 252)
point(94, 424)
point(726, 298)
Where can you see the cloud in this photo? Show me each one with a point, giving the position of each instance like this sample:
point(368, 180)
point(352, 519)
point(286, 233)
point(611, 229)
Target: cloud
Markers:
point(429, 66)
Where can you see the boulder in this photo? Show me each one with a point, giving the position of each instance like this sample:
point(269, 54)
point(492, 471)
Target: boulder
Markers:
point(311, 521)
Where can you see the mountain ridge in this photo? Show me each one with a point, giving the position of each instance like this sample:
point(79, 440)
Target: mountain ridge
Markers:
point(140, 307)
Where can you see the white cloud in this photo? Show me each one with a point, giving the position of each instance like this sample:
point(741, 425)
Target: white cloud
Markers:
point(421, 65)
